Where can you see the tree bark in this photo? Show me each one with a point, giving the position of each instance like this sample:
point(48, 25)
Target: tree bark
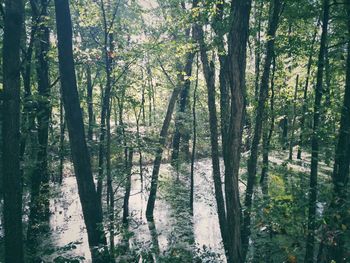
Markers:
point(91, 206)
point(337, 216)
point(275, 11)
point(40, 177)
point(13, 24)
point(209, 75)
point(310, 242)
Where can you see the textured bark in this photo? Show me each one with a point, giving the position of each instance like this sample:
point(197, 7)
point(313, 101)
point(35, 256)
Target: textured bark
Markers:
point(310, 242)
point(13, 23)
point(91, 206)
point(275, 10)
point(237, 43)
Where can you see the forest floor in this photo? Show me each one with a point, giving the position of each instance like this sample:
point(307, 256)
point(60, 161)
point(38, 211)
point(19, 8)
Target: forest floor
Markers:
point(175, 234)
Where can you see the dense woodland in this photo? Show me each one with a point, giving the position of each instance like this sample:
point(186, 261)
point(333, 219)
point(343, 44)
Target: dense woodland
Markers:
point(175, 131)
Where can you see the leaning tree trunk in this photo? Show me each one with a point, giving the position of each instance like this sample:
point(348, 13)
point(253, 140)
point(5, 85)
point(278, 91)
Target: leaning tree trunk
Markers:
point(310, 242)
point(159, 153)
point(91, 206)
point(276, 7)
point(13, 23)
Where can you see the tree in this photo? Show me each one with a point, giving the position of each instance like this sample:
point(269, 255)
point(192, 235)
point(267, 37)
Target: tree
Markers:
point(337, 218)
point(89, 200)
point(275, 11)
point(13, 23)
point(40, 175)
point(310, 242)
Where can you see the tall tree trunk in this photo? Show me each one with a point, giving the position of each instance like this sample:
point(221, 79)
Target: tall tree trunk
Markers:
point(159, 153)
point(179, 120)
point(304, 107)
point(334, 250)
point(275, 11)
point(107, 49)
point(40, 177)
point(89, 100)
point(258, 9)
point(291, 143)
point(209, 75)
point(194, 138)
point(310, 242)
point(237, 45)
point(28, 118)
point(110, 192)
point(13, 23)
point(128, 173)
point(62, 132)
point(91, 206)
point(268, 135)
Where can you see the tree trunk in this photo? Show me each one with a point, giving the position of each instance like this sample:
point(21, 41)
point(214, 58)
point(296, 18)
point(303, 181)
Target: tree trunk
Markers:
point(180, 120)
point(89, 101)
point(310, 242)
point(194, 139)
point(91, 206)
point(268, 135)
point(107, 49)
point(334, 250)
point(128, 173)
point(13, 23)
point(209, 75)
point(40, 177)
point(304, 107)
point(291, 143)
point(62, 132)
point(258, 10)
point(159, 153)
point(275, 10)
